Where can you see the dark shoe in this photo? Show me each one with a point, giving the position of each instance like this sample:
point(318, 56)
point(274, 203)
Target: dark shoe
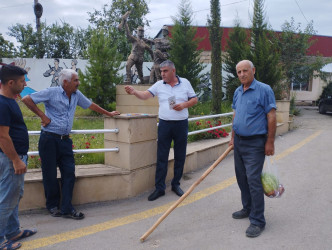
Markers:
point(241, 214)
point(10, 245)
point(177, 190)
point(74, 215)
point(254, 231)
point(24, 234)
point(55, 212)
point(156, 194)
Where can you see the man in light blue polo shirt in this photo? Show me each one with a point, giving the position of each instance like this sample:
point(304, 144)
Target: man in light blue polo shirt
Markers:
point(254, 128)
point(175, 96)
point(55, 146)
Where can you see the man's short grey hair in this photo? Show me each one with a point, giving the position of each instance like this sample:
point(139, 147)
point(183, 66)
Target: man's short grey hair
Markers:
point(66, 74)
point(247, 61)
point(167, 63)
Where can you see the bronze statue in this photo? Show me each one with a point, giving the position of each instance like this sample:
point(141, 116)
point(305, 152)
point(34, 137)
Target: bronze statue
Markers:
point(136, 56)
point(160, 54)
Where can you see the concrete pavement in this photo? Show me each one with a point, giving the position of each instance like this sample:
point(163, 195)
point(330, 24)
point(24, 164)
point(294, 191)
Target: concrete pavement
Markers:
point(300, 219)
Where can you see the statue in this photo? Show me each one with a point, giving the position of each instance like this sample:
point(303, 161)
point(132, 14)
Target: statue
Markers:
point(136, 56)
point(160, 54)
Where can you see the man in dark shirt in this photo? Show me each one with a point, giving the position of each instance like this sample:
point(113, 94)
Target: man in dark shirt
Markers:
point(14, 145)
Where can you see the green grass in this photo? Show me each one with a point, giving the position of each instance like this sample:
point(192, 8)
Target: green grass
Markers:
point(87, 119)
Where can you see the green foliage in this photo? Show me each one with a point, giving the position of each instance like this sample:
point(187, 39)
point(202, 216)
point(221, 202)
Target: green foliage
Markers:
point(237, 49)
point(293, 45)
point(215, 33)
point(184, 45)
point(264, 51)
point(54, 41)
point(293, 110)
point(100, 78)
point(7, 49)
point(110, 16)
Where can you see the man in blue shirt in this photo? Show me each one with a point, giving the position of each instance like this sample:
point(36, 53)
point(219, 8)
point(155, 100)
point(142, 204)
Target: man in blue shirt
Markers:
point(14, 145)
point(254, 128)
point(175, 96)
point(55, 146)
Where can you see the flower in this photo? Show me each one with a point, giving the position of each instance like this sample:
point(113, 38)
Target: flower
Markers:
point(92, 137)
point(73, 146)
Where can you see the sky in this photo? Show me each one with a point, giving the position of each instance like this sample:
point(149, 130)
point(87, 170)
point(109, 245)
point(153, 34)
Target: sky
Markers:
point(161, 11)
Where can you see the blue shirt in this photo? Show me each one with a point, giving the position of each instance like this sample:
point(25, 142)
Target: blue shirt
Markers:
point(11, 116)
point(59, 109)
point(251, 108)
point(182, 92)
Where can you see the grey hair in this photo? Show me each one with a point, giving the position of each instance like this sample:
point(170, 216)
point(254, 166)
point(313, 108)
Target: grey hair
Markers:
point(167, 63)
point(247, 61)
point(66, 74)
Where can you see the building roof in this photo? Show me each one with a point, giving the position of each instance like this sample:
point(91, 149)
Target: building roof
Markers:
point(322, 46)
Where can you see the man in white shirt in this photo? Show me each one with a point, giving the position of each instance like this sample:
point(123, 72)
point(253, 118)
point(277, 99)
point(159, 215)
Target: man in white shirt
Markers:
point(175, 96)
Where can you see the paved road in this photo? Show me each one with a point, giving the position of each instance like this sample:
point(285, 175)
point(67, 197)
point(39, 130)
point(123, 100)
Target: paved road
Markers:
point(300, 219)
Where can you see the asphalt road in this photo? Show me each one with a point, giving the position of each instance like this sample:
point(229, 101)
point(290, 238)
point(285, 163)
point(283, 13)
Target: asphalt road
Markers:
point(300, 219)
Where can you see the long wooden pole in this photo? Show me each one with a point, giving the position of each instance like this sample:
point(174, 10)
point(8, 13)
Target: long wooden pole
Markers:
point(208, 171)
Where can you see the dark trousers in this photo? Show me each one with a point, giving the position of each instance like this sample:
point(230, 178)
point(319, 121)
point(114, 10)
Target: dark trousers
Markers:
point(168, 131)
point(54, 152)
point(249, 158)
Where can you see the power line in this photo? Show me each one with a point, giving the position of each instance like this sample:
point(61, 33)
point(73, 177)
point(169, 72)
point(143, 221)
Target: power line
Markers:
point(301, 11)
point(203, 9)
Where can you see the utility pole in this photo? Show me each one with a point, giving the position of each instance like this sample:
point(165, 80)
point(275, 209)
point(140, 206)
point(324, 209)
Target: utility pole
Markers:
point(38, 9)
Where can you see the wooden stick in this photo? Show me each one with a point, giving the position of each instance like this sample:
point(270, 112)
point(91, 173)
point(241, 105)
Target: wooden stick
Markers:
point(208, 171)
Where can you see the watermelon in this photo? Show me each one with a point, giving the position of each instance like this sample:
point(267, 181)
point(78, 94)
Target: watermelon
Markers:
point(270, 183)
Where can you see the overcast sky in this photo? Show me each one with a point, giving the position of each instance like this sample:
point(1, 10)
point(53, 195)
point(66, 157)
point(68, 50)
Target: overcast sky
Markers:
point(75, 13)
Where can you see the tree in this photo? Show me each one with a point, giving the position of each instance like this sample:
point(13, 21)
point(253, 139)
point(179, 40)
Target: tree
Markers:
point(264, 51)
point(100, 79)
point(110, 16)
point(184, 46)
point(7, 49)
point(237, 49)
point(293, 45)
point(54, 41)
point(215, 33)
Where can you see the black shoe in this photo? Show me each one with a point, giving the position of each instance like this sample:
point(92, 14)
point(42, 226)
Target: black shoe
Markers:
point(55, 212)
point(241, 214)
point(74, 215)
point(156, 194)
point(177, 190)
point(254, 231)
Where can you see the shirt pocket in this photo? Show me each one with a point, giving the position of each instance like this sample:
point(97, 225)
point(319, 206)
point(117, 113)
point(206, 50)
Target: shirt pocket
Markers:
point(252, 107)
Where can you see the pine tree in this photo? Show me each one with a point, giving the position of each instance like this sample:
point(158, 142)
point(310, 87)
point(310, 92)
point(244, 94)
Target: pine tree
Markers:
point(100, 79)
point(264, 51)
point(184, 45)
point(215, 33)
point(237, 49)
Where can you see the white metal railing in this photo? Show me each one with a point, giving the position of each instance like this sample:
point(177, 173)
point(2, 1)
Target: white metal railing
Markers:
point(207, 117)
point(86, 131)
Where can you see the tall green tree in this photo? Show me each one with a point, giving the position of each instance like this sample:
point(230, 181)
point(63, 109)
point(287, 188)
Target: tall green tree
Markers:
point(184, 45)
point(264, 51)
point(7, 48)
point(109, 18)
point(100, 78)
point(293, 45)
point(215, 32)
point(237, 49)
point(59, 40)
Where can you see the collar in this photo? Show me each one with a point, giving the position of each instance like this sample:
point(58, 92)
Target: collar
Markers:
point(179, 81)
point(252, 85)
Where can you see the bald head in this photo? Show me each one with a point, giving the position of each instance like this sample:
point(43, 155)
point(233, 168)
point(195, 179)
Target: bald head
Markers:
point(246, 72)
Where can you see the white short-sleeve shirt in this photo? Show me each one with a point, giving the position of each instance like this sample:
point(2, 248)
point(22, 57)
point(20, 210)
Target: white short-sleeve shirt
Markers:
point(182, 91)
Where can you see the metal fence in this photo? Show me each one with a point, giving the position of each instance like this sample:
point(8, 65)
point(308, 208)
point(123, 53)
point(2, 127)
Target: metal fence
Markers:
point(116, 149)
point(84, 151)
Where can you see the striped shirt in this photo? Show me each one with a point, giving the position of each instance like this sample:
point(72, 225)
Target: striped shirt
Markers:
point(59, 108)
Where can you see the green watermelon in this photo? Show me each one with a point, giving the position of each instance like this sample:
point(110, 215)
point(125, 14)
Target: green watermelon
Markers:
point(270, 183)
